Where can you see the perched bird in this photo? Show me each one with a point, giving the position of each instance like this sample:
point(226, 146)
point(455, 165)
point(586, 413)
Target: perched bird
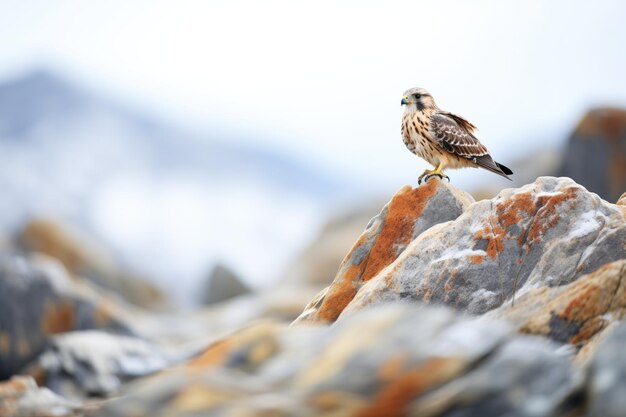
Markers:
point(443, 139)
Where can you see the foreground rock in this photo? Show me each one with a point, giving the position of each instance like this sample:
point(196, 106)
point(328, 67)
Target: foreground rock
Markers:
point(545, 235)
point(381, 362)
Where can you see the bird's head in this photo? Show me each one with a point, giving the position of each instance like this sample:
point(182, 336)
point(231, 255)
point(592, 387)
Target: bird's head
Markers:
point(417, 99)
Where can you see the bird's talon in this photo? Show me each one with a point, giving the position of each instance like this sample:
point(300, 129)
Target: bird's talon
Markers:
point(426, 177)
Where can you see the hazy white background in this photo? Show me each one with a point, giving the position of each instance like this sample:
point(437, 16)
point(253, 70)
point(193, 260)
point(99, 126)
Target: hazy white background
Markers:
point(323, 80)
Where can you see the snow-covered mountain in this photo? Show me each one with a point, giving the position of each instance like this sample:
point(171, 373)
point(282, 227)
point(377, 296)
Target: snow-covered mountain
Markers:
point(170, 202)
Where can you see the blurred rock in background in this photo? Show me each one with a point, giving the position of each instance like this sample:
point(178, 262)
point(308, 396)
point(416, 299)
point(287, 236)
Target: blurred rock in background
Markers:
point(222, 284)
point(83, 257)
point(595, 155)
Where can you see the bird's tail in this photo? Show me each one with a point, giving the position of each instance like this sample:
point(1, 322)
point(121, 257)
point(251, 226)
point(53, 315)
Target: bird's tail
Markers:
point(504, 169)
point(491, 165)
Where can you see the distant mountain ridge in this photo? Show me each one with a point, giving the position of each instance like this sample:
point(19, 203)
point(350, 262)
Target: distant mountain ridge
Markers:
point(68, 153)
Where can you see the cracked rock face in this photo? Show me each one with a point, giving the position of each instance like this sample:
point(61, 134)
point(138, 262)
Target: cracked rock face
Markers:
point(545, 235)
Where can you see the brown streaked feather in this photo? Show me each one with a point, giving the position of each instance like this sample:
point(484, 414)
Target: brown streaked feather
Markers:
point(465, 124)
point(455, 138)
point(453, 135)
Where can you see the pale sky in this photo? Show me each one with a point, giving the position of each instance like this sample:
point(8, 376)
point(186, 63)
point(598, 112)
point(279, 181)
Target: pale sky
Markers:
point(324, 79)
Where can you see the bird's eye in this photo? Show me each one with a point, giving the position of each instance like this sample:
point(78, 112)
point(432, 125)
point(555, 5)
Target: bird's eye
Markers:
point(418, 96)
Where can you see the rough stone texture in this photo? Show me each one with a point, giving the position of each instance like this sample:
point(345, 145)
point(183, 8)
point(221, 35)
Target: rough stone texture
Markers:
point(409, 213)
point(37, 300)
point(606, 389)
point(379, 362)
point(573, 313)
point(546, 234)
point(84, 258)
point(94, 363)
point(223, 285)
point(20, 397)
point(595, 155)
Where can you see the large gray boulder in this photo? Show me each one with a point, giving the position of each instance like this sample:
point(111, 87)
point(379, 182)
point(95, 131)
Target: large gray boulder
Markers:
point(549, 233)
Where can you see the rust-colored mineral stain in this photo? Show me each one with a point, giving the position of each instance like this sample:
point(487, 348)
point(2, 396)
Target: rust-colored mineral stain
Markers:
point(58, 317)
point(402, 211)
point(476, 259)
point(393, 398)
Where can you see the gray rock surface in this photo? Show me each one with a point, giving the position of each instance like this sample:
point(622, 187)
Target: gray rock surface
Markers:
point(37, 300)
point(549, 233)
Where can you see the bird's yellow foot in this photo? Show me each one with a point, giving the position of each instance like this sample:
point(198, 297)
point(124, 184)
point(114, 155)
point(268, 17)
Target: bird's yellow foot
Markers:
point(426, 175)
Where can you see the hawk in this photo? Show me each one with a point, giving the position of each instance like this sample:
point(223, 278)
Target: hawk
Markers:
point(443, 139)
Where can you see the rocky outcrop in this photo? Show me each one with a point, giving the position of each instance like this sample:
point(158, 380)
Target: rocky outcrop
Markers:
point(409, 213)
point(595, 155)
point(545, 235)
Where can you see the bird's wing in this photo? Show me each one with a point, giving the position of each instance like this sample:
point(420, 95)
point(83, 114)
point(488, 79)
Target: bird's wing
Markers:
point(454, 134)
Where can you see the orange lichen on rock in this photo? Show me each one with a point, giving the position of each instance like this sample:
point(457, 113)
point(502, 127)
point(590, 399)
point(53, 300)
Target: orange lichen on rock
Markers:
point(476, 259)
point(507, 213)
point(396, 232)
point(340, 294)
point(548, 214)
point(404, 209)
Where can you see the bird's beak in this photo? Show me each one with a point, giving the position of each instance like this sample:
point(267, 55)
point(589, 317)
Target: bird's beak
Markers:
point(405, 100)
